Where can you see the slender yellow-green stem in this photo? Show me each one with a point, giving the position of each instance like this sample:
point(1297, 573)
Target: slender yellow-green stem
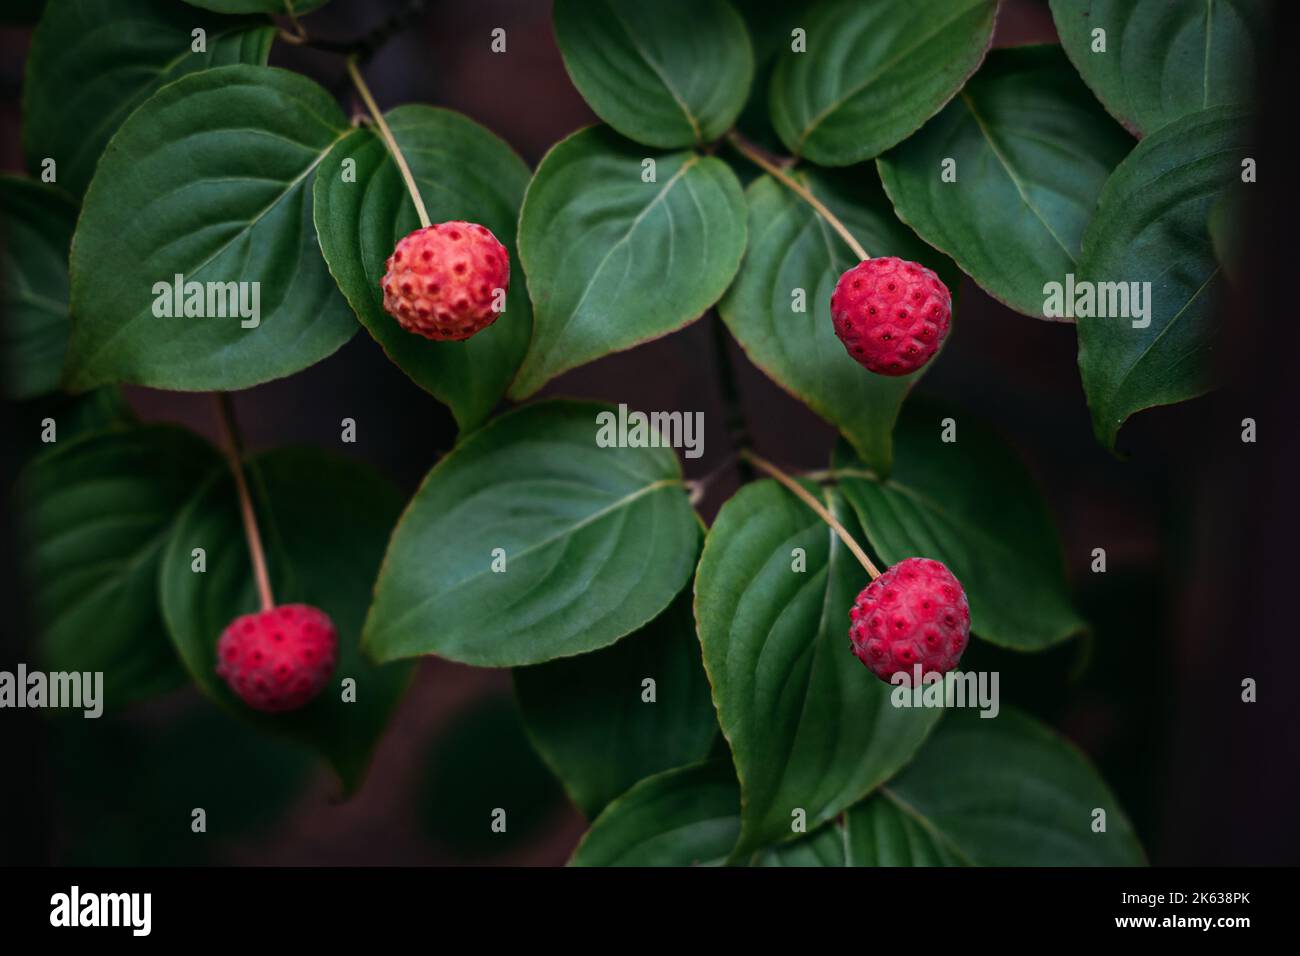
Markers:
point(233, 449)
point(757, 158)
point(802, 494)
point(387, 135)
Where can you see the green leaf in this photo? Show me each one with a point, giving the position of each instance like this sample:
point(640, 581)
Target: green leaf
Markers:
point(36, 222)
point(1227, 233)
point(875, 832)
point(874, 72)
point(98, 511)
point(682, 817)
point(647, 76)
point(769, 23)
point(1032, 150)
point(596, 541)
point(809, 727)
point(1163, 61)
point(791, 248)
point(1152, 227)
point(971, 504)
point(587, 717)
point(94, 61)
point(880, 831)
point(324, 522)
point(824, 847)
point(613, 261)
point(1005, 791)
point(209, 179)
point(463, 172)
point(297, 7)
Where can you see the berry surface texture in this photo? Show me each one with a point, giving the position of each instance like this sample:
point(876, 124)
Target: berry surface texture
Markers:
point(278, 660)
point(892, 315)
point(914, 613)
point(447, 281)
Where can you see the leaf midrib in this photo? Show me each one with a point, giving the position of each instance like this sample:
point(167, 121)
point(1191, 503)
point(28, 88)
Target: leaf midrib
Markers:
point(622, 240)
point(1173, 320)
point(868, 81)
point(88, 358)
point(927, 824)
point(1209, 34)
point(749, 820)
point(114, 117)
point(566, 531)
point(658, 71)
point(987, 133)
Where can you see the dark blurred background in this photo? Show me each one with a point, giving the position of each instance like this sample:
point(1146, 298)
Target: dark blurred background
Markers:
point(1199, 531)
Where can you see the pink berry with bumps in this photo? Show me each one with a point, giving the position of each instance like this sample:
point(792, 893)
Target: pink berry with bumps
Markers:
point(914, 613)
point(278, 660)
point(447, 281)
point(892, 315)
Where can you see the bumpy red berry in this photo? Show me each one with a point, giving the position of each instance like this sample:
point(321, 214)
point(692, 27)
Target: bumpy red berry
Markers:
point(892, 315)
point(280, 659)
point(914, 613)
point(447, 281)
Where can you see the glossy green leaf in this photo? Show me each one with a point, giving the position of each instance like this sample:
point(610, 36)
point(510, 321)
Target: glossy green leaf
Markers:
point(1031, 150)
point(792, 250)
point(209, 179)
point(1227, 233)
point(810, 728)
point(362, 208)
point(682, 817)
point(874, 72)
point(882, 831)
point(589, 719)
point(1163, 61)
point(1005, 791)
point(324, 522)
point(971, 504)
point(529, 542)
point(1152, 227)
point(649, 78)
point(825, 847)
point(875, 832)
point(97, 514)
point(613, 261)
point(36, 224)
point(94, 61)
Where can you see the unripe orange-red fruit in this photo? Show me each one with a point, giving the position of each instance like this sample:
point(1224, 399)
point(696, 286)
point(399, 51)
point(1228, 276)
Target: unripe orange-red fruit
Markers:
point(447, 281)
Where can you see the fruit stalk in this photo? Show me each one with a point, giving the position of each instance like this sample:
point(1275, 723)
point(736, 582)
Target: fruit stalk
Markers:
point(747, 150)
point(232, 447)
point(387, 135)
point(802, 494)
